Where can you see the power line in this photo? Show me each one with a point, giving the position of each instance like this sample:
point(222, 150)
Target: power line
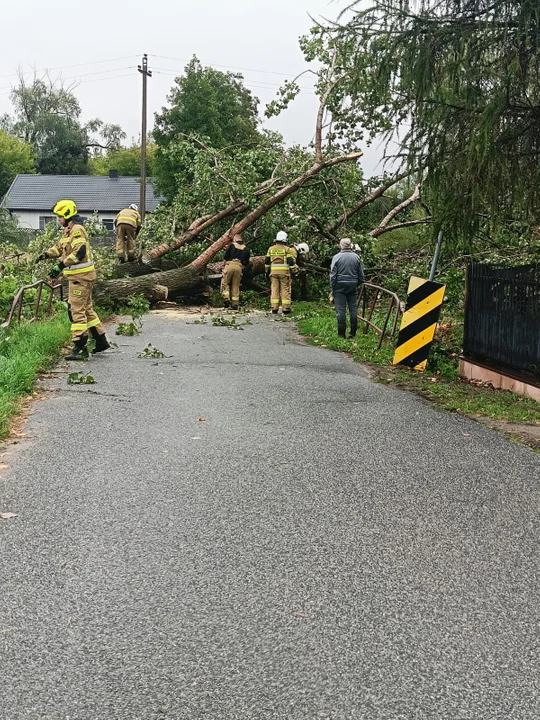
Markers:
point(255, 83)
point(85, 82)
point(115, 77)
point(101, 72)
point(68, 67)
point(229, 67)
point(84, 75)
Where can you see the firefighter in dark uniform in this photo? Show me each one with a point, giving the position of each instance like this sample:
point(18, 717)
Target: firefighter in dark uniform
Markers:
point(237, 258)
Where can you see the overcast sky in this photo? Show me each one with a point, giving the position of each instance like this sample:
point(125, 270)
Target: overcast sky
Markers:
point(100, 43)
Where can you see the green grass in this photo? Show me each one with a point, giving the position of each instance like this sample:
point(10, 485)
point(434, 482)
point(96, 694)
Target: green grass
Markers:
point(439, 383)
point(25, 351)
point(460, 396)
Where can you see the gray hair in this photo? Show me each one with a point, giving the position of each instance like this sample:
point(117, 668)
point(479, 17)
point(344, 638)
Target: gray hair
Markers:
point(345, 244)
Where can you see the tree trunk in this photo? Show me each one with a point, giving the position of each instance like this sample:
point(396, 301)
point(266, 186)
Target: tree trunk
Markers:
point(182, 281)
point(195, 229)
point(329, 231)
point(384, 225)
point(135, 268)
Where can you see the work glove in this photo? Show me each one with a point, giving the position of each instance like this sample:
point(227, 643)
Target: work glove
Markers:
point(41, 257)
point(56, 270)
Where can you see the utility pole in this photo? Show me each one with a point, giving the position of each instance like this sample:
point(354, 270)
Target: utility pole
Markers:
point(145, 74)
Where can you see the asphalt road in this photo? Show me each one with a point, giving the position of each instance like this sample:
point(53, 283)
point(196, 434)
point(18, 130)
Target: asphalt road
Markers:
point(318, 546)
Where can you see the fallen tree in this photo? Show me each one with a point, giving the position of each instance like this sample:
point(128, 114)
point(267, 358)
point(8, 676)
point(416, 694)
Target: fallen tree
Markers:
point(224, 190)
point(189, 279)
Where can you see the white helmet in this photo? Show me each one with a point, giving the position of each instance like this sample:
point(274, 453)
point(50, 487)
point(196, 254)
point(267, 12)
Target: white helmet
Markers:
point(133, 206)
point(282, 237)
point(302, 248)
point(356, 247)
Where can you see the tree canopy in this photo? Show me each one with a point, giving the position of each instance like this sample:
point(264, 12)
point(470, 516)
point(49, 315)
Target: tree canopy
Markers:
point(204, 102)
point(127, 160)
point(462, 79)
point(47, 115)
point(16, 158)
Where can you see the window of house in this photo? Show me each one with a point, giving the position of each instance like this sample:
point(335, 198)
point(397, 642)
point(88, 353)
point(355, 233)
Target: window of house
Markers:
point(109, 224)
point(45, 220)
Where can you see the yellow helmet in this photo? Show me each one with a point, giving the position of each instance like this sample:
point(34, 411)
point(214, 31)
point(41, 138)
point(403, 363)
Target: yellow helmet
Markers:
point(65, 208)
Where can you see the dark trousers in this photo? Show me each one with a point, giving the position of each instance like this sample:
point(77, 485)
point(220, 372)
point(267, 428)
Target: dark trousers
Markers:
point(341, 301)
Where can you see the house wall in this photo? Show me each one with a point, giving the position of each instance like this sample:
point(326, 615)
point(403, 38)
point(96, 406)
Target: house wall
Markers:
point(29, 219)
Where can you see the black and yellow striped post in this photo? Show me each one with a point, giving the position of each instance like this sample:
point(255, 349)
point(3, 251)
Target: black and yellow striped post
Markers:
point(424, 301)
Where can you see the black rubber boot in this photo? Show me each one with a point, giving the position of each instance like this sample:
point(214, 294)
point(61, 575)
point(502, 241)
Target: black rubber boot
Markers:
point(234, 307)
point(287, 311)
point(354, 328)
point(226, 303)
point(274, 312)
point(341, 330)
point(102, 343)
point(79, 351)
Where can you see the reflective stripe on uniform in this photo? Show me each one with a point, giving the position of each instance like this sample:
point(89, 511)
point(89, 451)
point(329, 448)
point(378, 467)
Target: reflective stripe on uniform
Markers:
point(128, 216)
point(78, 269)
point(286, 302)
point(94, 323)
point(279, 267)
point(124, 220)
point(78, 326)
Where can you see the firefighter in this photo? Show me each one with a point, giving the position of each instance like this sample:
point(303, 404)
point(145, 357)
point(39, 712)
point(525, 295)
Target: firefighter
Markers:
point(279, 263)
point(237, 258)
point(74, 257)
point(128, 225)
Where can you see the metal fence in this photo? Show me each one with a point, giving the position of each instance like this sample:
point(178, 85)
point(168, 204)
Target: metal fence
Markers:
point(33, 302)
point(373, 298)
point(502, 317)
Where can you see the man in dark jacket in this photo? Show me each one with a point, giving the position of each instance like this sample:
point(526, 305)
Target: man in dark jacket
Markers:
point(346, 274)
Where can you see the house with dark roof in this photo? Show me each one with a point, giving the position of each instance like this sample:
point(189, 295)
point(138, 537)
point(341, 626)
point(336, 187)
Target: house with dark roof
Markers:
point(31, 198)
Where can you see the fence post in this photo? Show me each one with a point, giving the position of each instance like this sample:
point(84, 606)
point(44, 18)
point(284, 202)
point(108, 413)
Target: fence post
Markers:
point(436, 256)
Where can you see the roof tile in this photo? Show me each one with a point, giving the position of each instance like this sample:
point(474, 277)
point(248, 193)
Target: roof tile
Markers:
point(90, 192)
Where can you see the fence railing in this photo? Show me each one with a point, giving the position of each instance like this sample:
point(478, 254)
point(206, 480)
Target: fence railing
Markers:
point(41, 300)
point(502, 317)
point(369, 300)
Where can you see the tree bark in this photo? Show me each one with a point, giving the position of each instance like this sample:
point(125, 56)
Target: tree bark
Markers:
point(182, 281)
